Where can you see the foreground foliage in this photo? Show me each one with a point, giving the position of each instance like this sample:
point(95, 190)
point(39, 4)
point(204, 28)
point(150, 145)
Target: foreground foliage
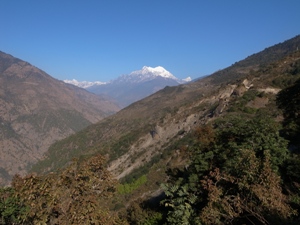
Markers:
point(233, 176)
point(289, 101)
point(75, 196)
point(241, 171)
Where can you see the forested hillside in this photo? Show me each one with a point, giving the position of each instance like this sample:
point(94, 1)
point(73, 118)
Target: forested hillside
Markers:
point(211, 152)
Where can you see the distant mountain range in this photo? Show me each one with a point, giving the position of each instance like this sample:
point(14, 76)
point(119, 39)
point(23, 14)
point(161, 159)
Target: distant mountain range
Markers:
point(153, 134)
point(37, 110)
point(84, 84)
point(132, 87)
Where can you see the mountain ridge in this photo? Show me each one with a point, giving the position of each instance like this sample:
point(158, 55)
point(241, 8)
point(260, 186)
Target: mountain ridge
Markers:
point(134, 86)
point(179, 147)
point(36, 110)
point(83, 84)
point(171, 112)
point(146, 73)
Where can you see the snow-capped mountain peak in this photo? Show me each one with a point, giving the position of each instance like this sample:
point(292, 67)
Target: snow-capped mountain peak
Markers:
point(84, 84)
point(188, 79)
point(154, 71)
point(147, 73)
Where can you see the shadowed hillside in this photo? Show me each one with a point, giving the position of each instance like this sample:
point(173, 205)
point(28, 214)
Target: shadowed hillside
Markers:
point(37, 110)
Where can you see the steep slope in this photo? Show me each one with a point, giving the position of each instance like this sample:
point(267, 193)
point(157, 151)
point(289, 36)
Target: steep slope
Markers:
point(132, 87)
point(146, 129)
point(36, 110)
point(237, 169)
point(257, 60)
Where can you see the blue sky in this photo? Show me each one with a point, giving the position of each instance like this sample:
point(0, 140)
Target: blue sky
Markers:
point(101, 40)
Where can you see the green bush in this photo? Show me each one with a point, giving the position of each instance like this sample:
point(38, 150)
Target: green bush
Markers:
point(11, 208)
point(127, 188)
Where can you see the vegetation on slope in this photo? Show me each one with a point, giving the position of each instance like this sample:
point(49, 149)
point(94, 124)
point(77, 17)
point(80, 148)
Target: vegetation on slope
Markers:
point(239, 164)
point(240, 171)
point(37, 110)
point(115, 135)
point(233, 177)
point(74, 196)
point(256, 61)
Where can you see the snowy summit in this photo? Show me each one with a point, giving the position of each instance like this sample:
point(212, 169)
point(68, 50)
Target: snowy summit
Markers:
point(150, 73)
point(83, 84)
point(156, 71)
point(147, 73)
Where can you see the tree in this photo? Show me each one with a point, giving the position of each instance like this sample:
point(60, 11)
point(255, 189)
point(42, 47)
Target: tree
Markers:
point(233, 176)
point(10, 207)
point(76, 195)
point(288, 100)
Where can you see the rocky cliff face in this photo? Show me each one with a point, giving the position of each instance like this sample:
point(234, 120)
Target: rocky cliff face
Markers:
point(36, 110)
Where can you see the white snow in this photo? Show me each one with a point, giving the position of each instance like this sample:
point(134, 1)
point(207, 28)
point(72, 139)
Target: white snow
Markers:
point(154, 71)
point(188, 79)
point(145, 74)
point(83, 84)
